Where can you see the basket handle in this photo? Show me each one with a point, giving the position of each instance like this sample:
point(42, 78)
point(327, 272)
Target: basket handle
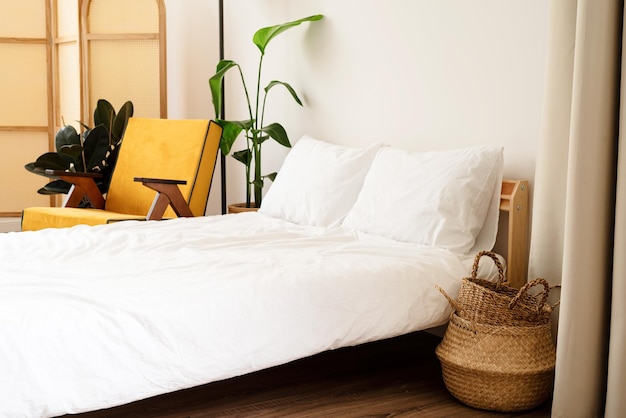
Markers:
point(494, 257)
point(558, 301)
point(542, 300)
point(453, 303)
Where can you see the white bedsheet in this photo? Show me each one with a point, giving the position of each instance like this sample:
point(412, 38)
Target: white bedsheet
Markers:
point(94, 317)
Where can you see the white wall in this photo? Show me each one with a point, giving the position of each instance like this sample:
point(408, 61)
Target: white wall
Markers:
point(418, 74)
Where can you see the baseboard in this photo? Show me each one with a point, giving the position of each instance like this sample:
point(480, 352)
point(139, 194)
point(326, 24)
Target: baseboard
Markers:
point(10, 224)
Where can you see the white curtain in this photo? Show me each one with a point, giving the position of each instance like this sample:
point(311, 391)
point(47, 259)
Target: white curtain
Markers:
point(579, 209)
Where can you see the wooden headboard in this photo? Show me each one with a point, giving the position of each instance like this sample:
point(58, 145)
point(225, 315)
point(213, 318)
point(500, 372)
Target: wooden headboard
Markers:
point(514, 200)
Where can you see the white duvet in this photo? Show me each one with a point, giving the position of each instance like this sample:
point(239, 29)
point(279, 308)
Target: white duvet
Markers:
point(93, 317)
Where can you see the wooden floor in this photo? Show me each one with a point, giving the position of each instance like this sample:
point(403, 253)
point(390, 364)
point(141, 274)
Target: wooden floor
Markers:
point(400, 377)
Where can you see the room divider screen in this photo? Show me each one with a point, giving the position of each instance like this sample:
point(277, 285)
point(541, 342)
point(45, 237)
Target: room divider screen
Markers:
point(59, 57)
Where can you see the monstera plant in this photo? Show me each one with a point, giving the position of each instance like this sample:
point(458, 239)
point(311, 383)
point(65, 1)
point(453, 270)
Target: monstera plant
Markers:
point(93, 151)
point(255, 132)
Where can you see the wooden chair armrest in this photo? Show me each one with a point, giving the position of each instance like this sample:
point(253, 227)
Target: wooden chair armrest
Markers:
point(83, 184)
point(161, 181)
point(59, 173)
point(168, 193)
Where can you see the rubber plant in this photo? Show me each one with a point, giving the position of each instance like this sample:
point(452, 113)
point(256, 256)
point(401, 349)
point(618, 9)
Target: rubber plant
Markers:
point(93, 151)
point(255, 132)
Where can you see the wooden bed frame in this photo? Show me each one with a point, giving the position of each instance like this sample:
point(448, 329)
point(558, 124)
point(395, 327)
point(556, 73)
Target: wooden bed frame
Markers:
point(514, 200)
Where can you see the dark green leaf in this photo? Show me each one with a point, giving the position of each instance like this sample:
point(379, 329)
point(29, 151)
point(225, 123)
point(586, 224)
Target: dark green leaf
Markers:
point(259, 139)
point(51, 161)
point(120, 122)
point(287, 86)
point(271, 176)
point(230, 132)
point(56, 187)
point(278, 133)
point(67, 135)
point(104, 114)
point(72, 152)
point(96, 147)
point(215, 82)
point(263, 36)
point(258, 183)
point(244, 156)
point(30, 167)
point(85, 127)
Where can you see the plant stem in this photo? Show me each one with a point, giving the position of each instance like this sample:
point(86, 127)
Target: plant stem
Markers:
point(248, 183)
point(258, 95)
point(257, 174)
point(258, 190)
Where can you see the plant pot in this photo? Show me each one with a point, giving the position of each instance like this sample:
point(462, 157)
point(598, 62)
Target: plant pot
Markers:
point(241, 207)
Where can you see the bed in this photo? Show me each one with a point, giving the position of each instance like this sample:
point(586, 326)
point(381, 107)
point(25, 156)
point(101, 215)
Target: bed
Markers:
point(94, 317)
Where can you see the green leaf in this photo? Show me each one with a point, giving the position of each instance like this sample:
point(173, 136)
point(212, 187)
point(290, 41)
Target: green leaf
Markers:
point(271, 176)
point(103, 114)
point(51, 161)
point(278, 133)
point(120, 121)
point(55, 187)
point(73, 152)
point(215, 82)
point(96, 147)
point(264, 35)
point(30, 167)
point(244, 156)
point(259, 139)
point(230, 132)
point(258, 183)
point(67, 135)
point(287, 86)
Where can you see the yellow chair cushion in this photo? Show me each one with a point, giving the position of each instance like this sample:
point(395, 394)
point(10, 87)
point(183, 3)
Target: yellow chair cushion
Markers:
point(36, 218)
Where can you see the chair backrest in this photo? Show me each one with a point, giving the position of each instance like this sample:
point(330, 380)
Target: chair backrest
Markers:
point(165, 149)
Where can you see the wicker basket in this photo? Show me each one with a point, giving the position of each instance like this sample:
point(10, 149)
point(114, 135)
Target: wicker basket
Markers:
point(499, 368)
point(496, 303)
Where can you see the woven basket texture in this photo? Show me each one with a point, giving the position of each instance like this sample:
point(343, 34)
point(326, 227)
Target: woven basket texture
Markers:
point(496, 303)
point(499, 368)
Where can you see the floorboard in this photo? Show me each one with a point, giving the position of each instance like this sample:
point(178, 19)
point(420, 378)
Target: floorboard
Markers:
point(400, 377)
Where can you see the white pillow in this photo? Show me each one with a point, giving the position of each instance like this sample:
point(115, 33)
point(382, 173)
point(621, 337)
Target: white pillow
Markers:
point(318, 182)
point(438, 198)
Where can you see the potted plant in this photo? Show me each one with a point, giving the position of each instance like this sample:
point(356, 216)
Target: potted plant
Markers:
point(95, 151)
point(255, 132)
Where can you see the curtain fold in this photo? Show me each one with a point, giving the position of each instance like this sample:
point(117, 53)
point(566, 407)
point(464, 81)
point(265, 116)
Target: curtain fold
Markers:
point(616, 379)
point(578, 230)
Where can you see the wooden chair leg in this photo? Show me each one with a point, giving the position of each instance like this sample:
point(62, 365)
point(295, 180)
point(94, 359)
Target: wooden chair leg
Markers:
point(83, 186)
point(168, 194)
point(74, 197)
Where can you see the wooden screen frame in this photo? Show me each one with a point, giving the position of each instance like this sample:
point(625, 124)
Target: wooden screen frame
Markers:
point(514, 200)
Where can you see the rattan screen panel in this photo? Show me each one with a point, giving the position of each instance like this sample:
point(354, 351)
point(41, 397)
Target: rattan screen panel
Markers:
point(121, 70)
point(23, 18)
point(68, 90)
point(19, 188)
point(123, 16)
point(23, 83)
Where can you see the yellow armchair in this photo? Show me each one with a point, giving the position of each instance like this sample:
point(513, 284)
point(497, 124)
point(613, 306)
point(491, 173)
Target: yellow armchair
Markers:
point(174, 158)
